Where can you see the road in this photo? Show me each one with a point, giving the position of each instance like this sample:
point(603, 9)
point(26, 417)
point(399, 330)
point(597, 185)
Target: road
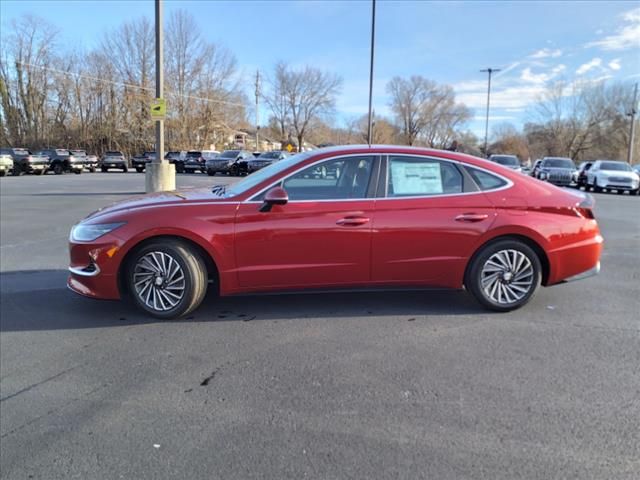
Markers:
point(351, 385)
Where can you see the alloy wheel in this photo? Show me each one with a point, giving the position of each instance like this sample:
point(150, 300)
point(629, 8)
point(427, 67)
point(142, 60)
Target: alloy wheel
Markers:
point(159, 281)
point(507, 276)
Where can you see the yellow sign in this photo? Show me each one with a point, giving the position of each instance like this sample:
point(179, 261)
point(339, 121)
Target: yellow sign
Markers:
point(158, 109)
point(289, 148)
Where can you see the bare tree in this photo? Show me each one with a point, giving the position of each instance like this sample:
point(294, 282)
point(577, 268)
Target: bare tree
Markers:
point(309, 94)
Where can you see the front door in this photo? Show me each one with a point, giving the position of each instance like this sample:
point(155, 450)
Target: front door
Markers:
point(320, 238)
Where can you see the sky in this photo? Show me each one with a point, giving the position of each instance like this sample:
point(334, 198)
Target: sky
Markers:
point(450, 42)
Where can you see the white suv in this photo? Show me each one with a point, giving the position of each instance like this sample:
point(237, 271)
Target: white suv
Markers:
point(612, 175)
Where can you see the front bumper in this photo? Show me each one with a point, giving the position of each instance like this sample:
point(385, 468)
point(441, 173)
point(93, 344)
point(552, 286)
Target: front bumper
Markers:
point(93, 267)
point(36, 167)
point(115, 164)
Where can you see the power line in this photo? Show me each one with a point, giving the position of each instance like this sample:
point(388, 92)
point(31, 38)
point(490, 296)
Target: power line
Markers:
point(128, 85)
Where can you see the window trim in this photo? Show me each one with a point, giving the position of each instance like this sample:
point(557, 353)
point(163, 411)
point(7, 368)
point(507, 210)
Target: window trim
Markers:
point(461, 166)
point(376, 159)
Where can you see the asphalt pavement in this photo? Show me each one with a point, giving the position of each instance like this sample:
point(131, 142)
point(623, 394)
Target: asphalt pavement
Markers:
point(326, 386)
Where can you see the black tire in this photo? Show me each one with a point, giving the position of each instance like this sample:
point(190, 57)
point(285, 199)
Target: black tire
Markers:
point(77, 172)
point(38, 172)
point(139, 169)
point(234, 171)
point(104, 169)
point(211, 173)
point(57, 169)
point(92, 169)
point(3, 173)
point(17, 170)
point(125, 170)
point(193, 269)
point(474, 276)
point(179, 168)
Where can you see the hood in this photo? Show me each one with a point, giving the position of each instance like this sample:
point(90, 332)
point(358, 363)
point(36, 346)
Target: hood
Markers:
point(156, 199)
point(618, 173)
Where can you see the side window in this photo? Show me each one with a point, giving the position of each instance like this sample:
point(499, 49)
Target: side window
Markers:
point(416, 176)
point(335, 179)
point(485, 180)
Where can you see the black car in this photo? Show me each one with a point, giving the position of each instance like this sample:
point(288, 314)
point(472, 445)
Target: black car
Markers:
point(139, 162)
point(114, 159)
point(232, 162)
point(557, 170)
point(25, 162)
point(61, 160)
point(264, 159)
point(581, 175)
point(194, 162)
point(177, 159)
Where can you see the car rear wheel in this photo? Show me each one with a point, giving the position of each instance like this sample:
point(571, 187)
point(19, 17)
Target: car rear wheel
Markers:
point(504, 275)
point(139, 169)
point(167, 279)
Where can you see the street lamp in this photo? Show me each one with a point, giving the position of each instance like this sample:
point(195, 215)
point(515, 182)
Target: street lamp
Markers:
point(373, 36)
point(486, 125)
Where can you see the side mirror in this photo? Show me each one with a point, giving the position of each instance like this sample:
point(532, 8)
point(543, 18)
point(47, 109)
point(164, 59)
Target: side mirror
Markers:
point(275, 196)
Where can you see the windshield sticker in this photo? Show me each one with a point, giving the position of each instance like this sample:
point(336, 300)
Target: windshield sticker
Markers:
point(416, 178)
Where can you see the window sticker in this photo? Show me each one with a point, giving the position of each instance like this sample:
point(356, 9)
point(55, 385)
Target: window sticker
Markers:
point(410, 178)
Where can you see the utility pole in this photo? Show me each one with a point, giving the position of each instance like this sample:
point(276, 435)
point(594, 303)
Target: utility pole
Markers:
point(373, 36)
point(486, 125)
point(632, 114)
point(160, 175)
point(257, 108)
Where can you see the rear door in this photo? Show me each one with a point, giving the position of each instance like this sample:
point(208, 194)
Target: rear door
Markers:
point(320, 238)
point(426, 225)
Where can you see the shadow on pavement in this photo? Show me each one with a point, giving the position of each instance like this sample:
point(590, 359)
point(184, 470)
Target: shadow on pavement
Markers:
point(39, 300)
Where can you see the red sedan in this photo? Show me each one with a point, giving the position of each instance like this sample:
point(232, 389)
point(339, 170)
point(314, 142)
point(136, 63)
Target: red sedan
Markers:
point(341, 217)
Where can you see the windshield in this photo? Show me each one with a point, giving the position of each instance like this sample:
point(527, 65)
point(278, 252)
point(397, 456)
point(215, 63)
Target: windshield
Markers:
point(78, 152)
point(229, 154)
point(558, 163)
point(62, 152)
point(193, 154)
point(270, 155)
point(507, 160)
point(264, 173)
point(113, 154)
point(20, 151)
point(617, 166)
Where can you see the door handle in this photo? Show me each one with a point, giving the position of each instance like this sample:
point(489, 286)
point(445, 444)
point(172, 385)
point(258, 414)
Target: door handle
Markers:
point(352, 221)
point(471, 217)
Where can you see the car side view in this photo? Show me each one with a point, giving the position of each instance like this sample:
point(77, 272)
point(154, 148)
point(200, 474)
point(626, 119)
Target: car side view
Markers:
point(341, 218)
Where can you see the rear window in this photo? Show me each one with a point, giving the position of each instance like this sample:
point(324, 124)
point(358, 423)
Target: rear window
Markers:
point(485, 180)
point(20, 151)
point(417, 176)
point(508, 160)
point(60, 151)
point(113, 154)
point(230, 154)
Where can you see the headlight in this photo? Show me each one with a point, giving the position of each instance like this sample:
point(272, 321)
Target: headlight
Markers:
point(88, 233)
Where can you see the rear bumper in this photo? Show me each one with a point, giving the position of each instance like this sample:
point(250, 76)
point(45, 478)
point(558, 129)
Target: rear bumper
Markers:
point(581, 276)
point(575, 261)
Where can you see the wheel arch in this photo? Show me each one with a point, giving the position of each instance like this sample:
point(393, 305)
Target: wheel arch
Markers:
point(530, 242)
point(212, 268)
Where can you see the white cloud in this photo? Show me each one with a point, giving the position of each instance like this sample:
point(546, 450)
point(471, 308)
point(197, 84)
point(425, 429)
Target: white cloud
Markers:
point(547, 53)
point(528, 76)
point(615, 64)
point(517, 97)
point(626, 37)
point(585, 67)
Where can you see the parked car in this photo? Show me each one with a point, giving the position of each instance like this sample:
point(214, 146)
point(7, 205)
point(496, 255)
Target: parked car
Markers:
point(6, 164)
point(393, 216)
point(557, 170)
point(60, 160)
point(265, 159)
point(232, 162)
point(177, 159)
point(26, 162)
point(636, 168)
point(79, 157)
point(114, 159)
point(613, 175)
point(91, 163)
point(535, 168)
point(581, 174)
point(509, 161)
point(194, 162)
point(139, 162)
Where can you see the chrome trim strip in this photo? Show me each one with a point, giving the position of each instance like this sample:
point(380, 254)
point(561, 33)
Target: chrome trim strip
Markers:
point(80, 271)
point(581, 276)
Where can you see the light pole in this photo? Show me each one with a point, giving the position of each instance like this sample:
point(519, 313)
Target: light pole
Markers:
point(632, 114)
point(486, 125)
point(160, 174)
point(373, 36)
point(257, 106)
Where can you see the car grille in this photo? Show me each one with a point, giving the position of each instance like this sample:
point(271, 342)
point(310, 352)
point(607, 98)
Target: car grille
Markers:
point(620, 179)
point(560, 177)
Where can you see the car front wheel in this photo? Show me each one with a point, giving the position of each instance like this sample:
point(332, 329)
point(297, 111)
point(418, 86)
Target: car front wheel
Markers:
point(504, 275)
point(167, 279)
